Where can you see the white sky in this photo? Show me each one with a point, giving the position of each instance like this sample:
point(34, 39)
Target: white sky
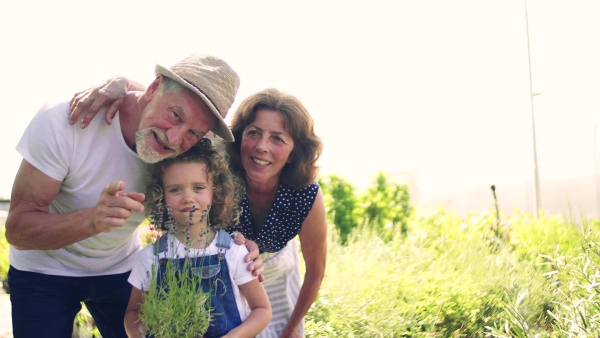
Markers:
point(435, 88)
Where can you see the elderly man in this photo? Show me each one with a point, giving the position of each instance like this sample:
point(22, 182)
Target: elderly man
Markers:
point(72, 226)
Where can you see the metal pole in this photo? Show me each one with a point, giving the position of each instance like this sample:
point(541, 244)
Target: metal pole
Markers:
point(536, 179)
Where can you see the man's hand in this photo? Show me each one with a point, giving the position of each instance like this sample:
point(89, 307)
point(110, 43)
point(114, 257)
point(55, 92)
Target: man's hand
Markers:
point(256, 267)
point(115, 207)
point(31, 226)
point(86, 104)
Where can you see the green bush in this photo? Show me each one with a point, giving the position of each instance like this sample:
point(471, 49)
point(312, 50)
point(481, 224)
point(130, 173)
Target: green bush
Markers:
point(384, 205)
point(341, 204)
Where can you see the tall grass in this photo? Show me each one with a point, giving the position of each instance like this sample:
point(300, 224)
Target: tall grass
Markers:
point(446, 277)
point(441, 275)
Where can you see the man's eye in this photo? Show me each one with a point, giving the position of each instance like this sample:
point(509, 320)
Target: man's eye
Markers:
point(176, 115)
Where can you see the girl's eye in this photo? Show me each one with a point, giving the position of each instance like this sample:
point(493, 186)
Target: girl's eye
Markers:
point(198, 187)
point(174, 190)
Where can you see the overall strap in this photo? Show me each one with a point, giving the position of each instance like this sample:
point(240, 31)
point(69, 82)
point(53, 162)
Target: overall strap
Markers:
point(161, 244)
point(223, 239)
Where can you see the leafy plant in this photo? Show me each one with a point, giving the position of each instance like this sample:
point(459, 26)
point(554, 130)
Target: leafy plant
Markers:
point(178, 308)
point(384, 205)
point(341, 204)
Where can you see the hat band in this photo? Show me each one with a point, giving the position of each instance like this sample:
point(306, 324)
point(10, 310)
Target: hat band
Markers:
point(201, 91)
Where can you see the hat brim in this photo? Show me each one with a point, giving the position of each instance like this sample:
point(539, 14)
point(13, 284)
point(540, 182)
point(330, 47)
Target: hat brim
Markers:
point(221, 129)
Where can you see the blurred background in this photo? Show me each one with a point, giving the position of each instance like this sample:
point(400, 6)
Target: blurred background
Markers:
point(448, 97)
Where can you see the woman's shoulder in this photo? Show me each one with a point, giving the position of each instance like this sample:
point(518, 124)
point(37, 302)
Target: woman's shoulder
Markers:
point(306, 194)
point(309, 189)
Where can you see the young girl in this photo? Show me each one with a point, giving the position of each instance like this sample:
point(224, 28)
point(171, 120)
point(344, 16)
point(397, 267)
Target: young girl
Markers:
point(192, 196)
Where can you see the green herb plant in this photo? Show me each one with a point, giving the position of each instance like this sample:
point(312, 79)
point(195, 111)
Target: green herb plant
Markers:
point(178, 308)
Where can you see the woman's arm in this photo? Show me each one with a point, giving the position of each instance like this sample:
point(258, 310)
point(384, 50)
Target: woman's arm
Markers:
point(133, 325)
point(86, 104)
point(260, 310)
point(313, 236)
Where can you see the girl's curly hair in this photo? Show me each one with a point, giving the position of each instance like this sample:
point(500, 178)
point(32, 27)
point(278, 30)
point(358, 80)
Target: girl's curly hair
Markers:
point(228, 188)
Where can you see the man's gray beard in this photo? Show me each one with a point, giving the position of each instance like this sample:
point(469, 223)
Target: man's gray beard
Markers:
point(144, 148)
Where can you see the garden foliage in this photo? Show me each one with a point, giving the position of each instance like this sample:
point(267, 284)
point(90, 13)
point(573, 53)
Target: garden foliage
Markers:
point(385, 205)
point(401, 270)
point(179, 308)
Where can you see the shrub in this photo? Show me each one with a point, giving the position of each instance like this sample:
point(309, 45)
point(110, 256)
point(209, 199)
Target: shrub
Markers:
point(341, 204)
point(385, 206)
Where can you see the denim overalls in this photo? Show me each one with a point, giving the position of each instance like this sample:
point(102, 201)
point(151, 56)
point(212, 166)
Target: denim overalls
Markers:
point(225, 315)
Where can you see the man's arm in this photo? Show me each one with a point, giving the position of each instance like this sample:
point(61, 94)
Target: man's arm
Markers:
point(86, 104)
point(30, 226)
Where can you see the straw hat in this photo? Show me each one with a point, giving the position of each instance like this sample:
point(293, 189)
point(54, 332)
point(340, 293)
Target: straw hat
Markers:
point(210, 78)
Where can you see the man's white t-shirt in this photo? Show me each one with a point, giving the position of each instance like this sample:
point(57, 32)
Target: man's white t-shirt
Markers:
point(238, 269)
point(86, 161)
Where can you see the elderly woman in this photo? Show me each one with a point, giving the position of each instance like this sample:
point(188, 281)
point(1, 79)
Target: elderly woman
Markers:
point(275, 152)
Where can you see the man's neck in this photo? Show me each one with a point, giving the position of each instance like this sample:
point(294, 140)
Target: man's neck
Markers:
point(130, 114)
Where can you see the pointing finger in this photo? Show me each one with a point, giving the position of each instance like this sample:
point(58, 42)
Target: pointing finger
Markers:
point(136, 196)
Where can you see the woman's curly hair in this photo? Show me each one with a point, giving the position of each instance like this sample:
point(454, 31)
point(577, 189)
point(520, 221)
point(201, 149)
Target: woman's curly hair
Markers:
point(228, 188)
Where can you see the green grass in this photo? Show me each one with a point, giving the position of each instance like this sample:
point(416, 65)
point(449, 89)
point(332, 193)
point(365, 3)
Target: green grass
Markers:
point(451, 276)
point(446, 277)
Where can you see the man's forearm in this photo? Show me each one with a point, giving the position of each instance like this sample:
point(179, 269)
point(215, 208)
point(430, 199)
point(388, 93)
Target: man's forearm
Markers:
point(37, 230)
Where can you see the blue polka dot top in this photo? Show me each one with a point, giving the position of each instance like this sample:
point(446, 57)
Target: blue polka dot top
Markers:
point(288, 212)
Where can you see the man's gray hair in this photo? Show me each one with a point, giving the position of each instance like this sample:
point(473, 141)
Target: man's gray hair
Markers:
point(170, 85)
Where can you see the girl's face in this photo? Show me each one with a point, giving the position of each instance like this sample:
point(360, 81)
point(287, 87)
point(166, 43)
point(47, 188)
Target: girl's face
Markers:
point(186, 185)
point(266, 147)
